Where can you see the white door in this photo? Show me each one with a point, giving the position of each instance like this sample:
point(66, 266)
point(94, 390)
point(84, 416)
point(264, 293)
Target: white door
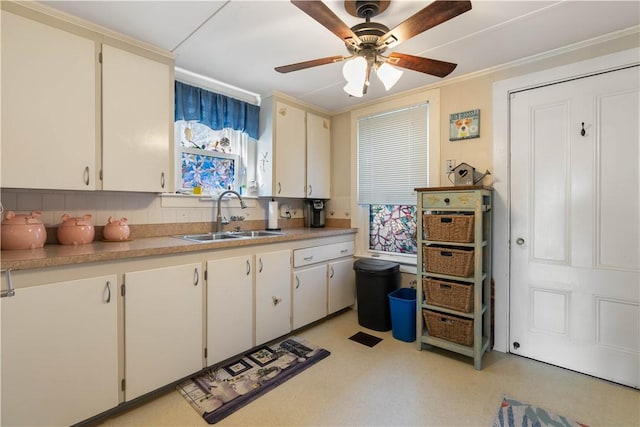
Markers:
point(574, 225)
point(309, 295)
point(229, 302)
point(273, 295)
point(318, 157)
point(290, 146)
point(137, 122)
point(48, 106)
point(59, 352)
point(163, 327)
point(342, 284)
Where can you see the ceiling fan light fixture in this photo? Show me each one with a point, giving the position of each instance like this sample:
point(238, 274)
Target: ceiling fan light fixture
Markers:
point(388, 75)
point(354, 70)
point(354, 89)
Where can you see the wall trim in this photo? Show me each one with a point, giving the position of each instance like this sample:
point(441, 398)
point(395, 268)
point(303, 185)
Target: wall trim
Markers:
point(501, 166)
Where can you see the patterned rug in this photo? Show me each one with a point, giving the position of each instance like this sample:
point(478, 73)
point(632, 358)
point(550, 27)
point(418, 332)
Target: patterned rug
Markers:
point(514, 413)
point(218, 392)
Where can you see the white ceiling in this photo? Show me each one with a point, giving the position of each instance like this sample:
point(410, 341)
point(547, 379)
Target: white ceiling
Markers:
point(240, 42)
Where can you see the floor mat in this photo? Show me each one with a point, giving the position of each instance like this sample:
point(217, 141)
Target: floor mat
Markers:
point(218, 392)
point(515, 413)
point(365, 339)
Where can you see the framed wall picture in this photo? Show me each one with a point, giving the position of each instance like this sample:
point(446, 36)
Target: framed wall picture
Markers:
point(464, 125)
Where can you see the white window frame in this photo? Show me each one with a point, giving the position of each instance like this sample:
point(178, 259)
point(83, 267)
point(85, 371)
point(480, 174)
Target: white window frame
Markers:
point(361, 212)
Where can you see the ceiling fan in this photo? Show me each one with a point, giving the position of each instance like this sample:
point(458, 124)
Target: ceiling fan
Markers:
point(369, 40)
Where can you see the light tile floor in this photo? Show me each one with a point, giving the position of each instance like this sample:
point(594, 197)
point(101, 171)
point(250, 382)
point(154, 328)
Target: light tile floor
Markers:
point(393, 384)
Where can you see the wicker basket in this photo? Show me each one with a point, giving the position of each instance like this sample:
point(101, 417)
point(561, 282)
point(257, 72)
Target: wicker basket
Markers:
point(448, 227)
point(449, 327)
point(450, 261)
point(452, 295)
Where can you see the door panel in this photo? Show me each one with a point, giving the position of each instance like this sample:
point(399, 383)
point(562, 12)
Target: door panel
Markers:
point(575, 287)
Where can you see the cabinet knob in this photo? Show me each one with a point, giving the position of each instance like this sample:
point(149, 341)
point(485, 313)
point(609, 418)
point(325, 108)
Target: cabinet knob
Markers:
point(276, 300)
point(446, 200)
point(519, 241)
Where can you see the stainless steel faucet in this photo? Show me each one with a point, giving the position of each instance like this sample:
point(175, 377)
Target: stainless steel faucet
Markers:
point(243, 205)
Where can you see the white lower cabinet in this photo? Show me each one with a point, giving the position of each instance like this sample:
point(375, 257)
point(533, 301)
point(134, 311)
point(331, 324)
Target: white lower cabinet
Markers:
point(272, 295)
point(229, 307)
point(163, 326)
point(342, 284)
point(309, 295)
point(324, 281)
point(59, 352)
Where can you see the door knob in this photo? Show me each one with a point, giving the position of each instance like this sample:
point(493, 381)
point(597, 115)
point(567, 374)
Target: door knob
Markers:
point(519, 241)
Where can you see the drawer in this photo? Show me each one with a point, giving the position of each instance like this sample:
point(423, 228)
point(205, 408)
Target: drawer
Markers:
point(454, 199)
point(313, 255)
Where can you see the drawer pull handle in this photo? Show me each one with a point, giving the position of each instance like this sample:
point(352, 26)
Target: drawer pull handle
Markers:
point(297, 282)
point(344, 251)
point(446, 253)
point(10, 291)
point(443, 286)
point(332, 273)
point(196, 277)
point(308, 258)
point(444, 220)
point(248, 267)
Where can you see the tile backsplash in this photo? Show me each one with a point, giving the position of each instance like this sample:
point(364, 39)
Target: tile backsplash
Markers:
point(138, 208)
point(142, 208)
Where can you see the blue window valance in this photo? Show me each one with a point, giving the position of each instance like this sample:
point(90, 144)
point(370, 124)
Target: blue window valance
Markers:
point(215, 110)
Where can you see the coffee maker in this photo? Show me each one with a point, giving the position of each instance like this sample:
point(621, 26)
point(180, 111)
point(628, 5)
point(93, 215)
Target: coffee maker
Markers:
point(315, 213)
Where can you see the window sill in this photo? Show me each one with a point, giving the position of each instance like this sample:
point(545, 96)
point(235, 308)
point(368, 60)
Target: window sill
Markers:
point(407, 264)
point(181, 200)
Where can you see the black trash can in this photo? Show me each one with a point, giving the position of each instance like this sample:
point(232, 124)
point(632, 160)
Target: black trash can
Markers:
point(375, 279)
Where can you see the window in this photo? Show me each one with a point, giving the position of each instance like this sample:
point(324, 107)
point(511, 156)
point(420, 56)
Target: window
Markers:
point(209, 159)
point(393, 157)
point(215, 142)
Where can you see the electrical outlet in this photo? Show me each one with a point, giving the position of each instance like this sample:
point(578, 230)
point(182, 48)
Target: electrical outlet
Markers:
point(449, 165)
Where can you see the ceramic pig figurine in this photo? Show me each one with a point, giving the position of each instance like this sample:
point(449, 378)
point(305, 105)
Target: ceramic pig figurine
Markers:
point(116, 230)
point(75, 230)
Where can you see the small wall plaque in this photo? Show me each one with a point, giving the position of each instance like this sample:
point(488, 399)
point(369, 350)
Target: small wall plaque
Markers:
point(464, 125)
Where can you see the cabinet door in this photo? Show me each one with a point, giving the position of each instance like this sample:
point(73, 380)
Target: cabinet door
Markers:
point(290, 135)
point(273, 295)
point(342, 285)
point(229, 307)
point(309, 295)
point(318, 157)
point(48, 107)
point(163, 326)
point(60, 352)
point(137, 122)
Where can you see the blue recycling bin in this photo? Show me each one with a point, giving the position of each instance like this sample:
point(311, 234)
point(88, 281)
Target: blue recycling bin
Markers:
point(402, 303)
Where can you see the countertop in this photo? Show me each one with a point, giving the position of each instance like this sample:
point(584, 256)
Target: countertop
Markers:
point(56, 255)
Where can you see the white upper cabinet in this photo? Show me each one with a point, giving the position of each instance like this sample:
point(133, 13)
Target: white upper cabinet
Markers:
point(71, 123)
point(48, 106)
point(318, 157)
point(293, 152)
point(137, 107)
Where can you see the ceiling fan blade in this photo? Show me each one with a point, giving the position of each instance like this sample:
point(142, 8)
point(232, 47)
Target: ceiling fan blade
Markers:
point(436, 13)
point(423, 65)
point(321, 13)
point(308, 64)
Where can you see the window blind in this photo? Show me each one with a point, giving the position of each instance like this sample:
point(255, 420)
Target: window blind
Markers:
point(393, 155)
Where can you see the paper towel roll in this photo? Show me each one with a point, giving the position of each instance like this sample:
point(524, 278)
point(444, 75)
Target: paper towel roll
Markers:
point(272, 223)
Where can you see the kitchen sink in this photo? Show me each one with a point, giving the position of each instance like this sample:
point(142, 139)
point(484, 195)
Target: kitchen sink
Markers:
point(213, 237)
point(209, 237)
point(257, 233)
